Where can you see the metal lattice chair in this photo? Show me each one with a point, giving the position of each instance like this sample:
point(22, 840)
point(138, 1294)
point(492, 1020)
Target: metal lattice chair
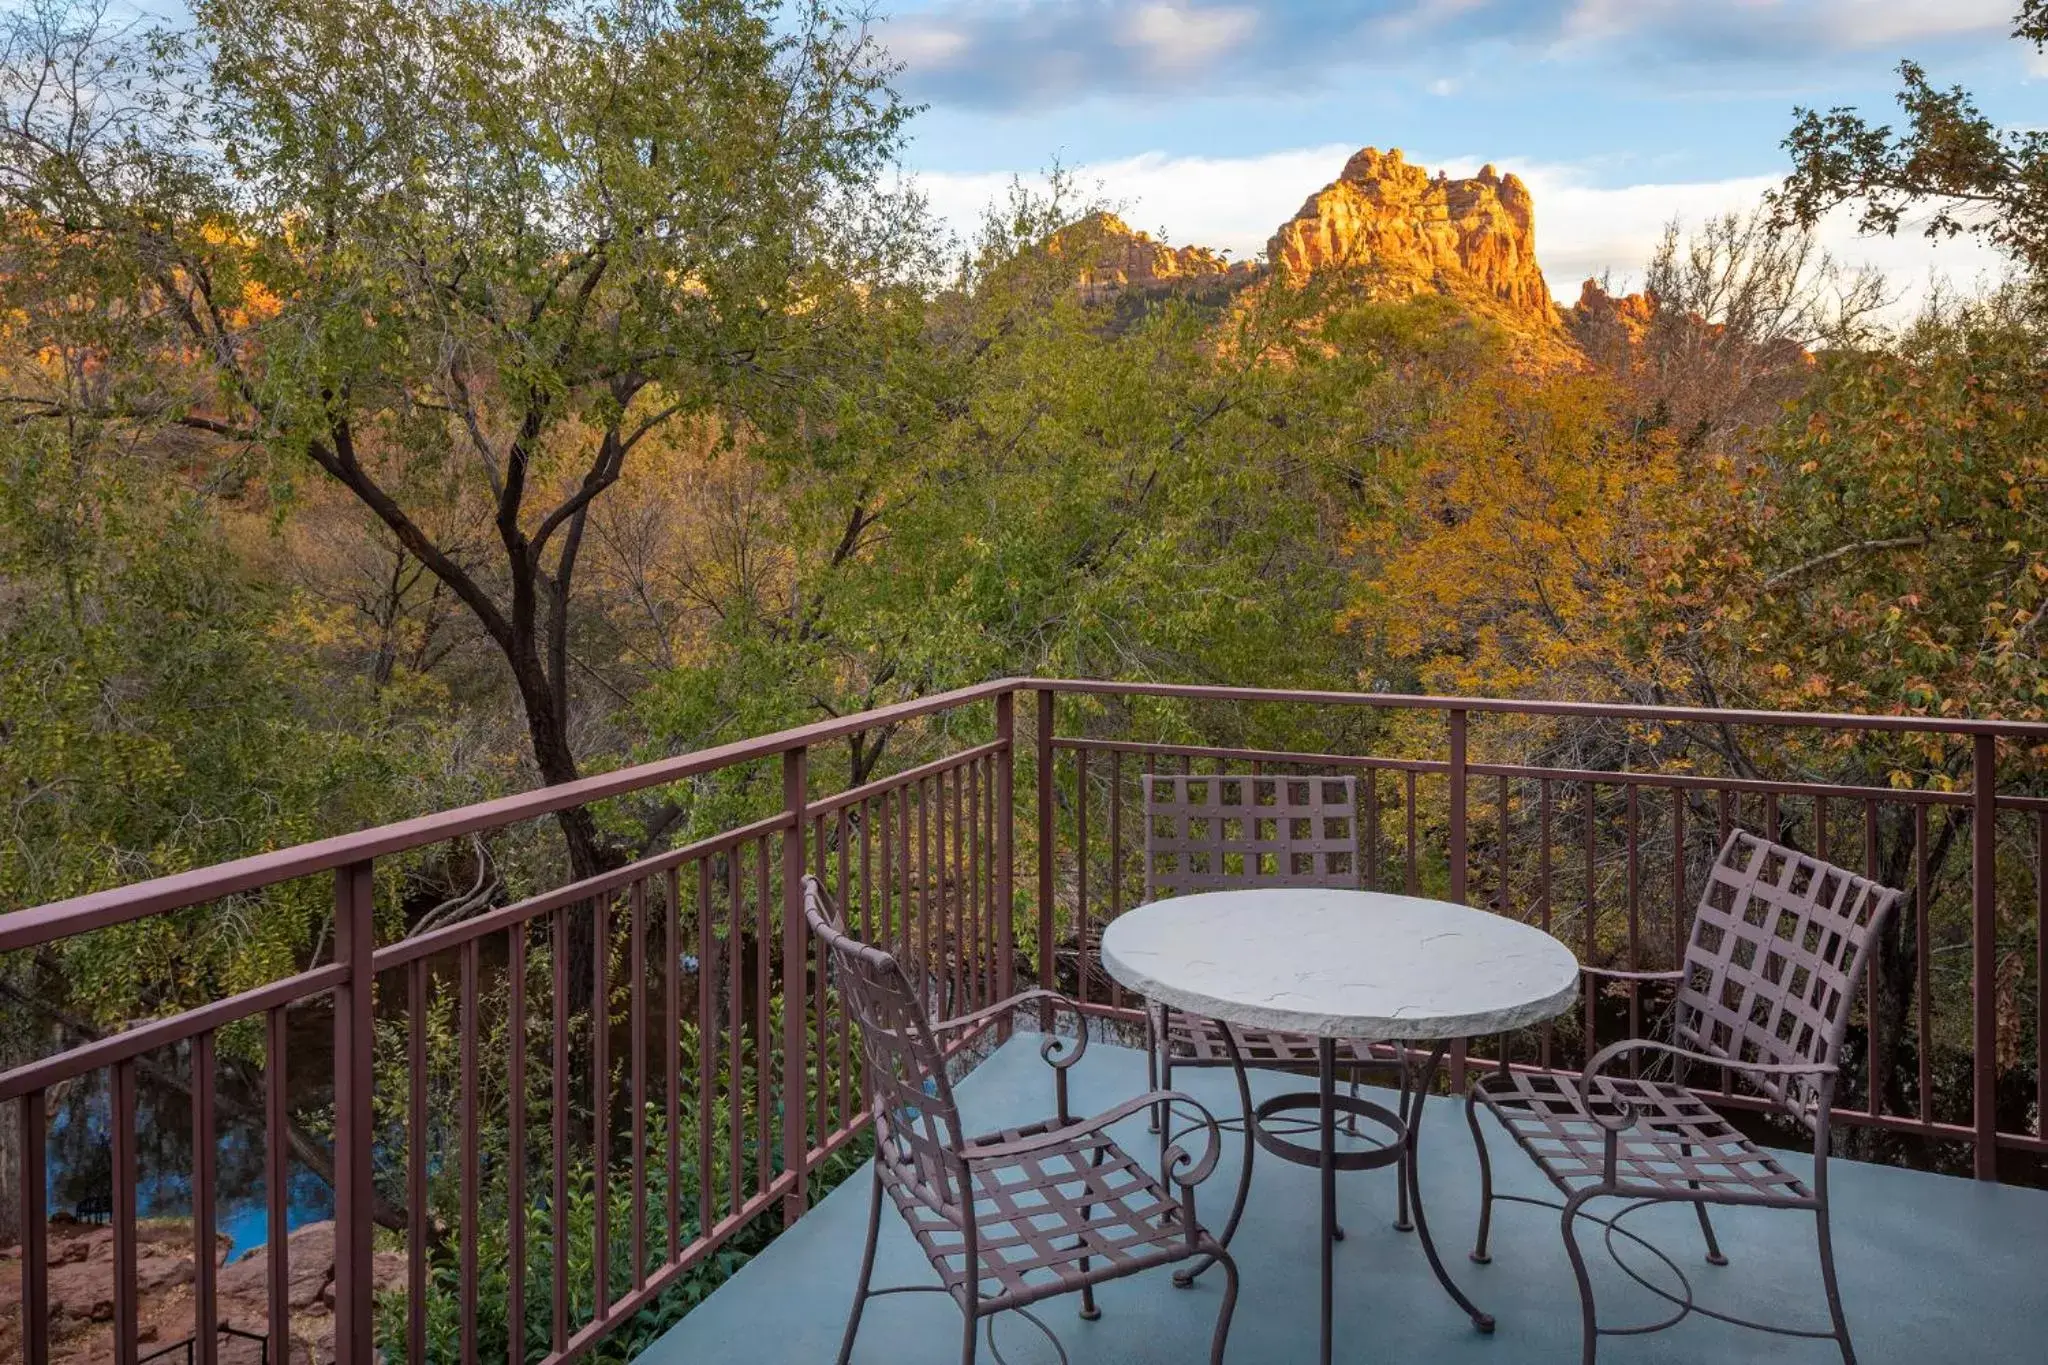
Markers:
point(1017, 1216)
point(1228, 833)
point(1778, 950)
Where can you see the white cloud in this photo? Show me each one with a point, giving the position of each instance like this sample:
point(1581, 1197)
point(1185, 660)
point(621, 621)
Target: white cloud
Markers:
point(1174, 37)
point(1583, 229)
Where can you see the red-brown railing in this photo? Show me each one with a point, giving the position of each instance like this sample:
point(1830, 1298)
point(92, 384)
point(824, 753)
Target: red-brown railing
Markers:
point(714, 1091)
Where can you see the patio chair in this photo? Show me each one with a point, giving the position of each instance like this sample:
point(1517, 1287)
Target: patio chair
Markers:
point(1223, 833)
point(1778, 949)
point(1020, 1215)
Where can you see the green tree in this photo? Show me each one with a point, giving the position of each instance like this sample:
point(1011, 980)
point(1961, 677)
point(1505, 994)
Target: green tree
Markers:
point(1950, 160)
point(479, 248)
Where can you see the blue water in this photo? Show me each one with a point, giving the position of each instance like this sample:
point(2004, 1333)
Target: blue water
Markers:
point(240, 1212)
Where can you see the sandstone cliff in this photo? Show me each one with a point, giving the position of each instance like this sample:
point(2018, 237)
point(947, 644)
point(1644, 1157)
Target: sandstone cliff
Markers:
point(1474, 238)
point(1117, 259)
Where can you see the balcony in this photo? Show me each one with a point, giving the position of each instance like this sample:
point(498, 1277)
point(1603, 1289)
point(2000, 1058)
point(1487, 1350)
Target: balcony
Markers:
point(1933, 1268)
point(672, 1179)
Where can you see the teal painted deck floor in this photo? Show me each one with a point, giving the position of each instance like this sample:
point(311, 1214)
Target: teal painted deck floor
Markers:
point(1934, 1269)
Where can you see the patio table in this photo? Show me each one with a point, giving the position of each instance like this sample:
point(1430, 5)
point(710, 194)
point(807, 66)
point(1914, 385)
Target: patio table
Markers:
point(1344, 966)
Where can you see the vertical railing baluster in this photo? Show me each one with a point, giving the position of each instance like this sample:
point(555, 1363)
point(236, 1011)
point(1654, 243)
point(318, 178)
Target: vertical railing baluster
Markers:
point(2041, 973)
point(600, 1107)
point(126, 1307)
point(515, 1147)
point(1590, 953)
point(1005, 817)
point(1923, 971)
point(636, 1070)
point(963, 900)
point(1460, 870)
point(671, 1059)
point(927, 978)
point(1081, 875)
point(1873, 981)
point(1414, 882)
point(796, 938)
point(1500, 872)
point(1045, 840)
point(821, 1113)
point(33, 1113)
point(1116, 856)
point(558, 1119)
point(33, 1201)
point(205, 1161)
point(1984, 953)
point(1372, 829)
point(1543, 816)
point(1633, 818)
point(736, 1028)
point(416, 1159)
point(355, 935)
point(276, 1188)
point(1678, 901)
point(765, 1039)
point(707, 1049)
point(467, 1024)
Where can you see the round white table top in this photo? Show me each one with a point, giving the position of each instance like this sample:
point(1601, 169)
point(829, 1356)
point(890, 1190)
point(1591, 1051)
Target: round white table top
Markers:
point(1341, 964)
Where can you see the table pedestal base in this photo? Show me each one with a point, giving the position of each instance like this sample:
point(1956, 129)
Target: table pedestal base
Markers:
point(1324, 1106)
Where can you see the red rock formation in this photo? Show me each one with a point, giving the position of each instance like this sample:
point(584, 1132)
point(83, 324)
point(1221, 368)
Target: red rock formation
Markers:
point(81, 1289)
point(1118, 259)
point(1474, 237)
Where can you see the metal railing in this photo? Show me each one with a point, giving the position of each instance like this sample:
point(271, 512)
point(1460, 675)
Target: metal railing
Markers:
point(720, 1076)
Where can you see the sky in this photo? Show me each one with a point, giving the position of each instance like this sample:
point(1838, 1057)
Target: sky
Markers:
point(1210, 121)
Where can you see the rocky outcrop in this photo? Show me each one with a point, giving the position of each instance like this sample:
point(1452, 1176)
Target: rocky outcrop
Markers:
point(81, 1289)
point(1116, 259)
point(1413, 231)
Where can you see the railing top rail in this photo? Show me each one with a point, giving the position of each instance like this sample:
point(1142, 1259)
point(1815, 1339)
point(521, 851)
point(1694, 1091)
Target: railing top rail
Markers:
point(2035, 731)
point(118, 905)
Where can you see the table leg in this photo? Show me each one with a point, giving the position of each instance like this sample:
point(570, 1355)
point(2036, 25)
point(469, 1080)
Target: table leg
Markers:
point(1410, 1172)
point(1326, 1093)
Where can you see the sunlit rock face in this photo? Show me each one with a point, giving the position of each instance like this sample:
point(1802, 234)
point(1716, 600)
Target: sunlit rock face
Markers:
point(1118, 259)
point(1474, 237)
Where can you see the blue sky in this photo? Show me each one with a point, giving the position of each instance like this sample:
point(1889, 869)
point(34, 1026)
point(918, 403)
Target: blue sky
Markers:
point(1211, 120)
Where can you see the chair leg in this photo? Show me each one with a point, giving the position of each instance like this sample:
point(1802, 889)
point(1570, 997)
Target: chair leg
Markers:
point(970, 1329)
point(1479, 1252)
point(1834, 1290)
point(867, 1273)
point(1589, 1323)
point(1714, 1256)
point(1089, 1312)
point(1225, 1309)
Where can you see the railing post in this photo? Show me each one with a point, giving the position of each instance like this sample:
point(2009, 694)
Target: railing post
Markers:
point(355, 933)
point(796, 938)
point(1984, 951)
point(1045, 840)
point(1459, 869)
point(1005, 854)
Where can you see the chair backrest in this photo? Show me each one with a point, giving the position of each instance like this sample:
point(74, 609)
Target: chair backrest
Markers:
point(1779, 946)
point(1215, 833)
point(917, 1124)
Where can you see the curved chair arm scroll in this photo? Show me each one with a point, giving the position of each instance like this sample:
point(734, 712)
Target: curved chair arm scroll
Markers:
point(1058, 1049)
point(1182, 1166)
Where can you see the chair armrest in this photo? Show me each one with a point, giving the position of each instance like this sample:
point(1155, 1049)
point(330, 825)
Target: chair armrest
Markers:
point(1596, 1069)
point(1612, 974)
point(1183, 1168)
point(1058, 1049)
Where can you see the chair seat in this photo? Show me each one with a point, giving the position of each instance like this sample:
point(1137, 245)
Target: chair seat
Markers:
point(1677, 1147)
point(1194, 1041)
point(1036, 1216)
